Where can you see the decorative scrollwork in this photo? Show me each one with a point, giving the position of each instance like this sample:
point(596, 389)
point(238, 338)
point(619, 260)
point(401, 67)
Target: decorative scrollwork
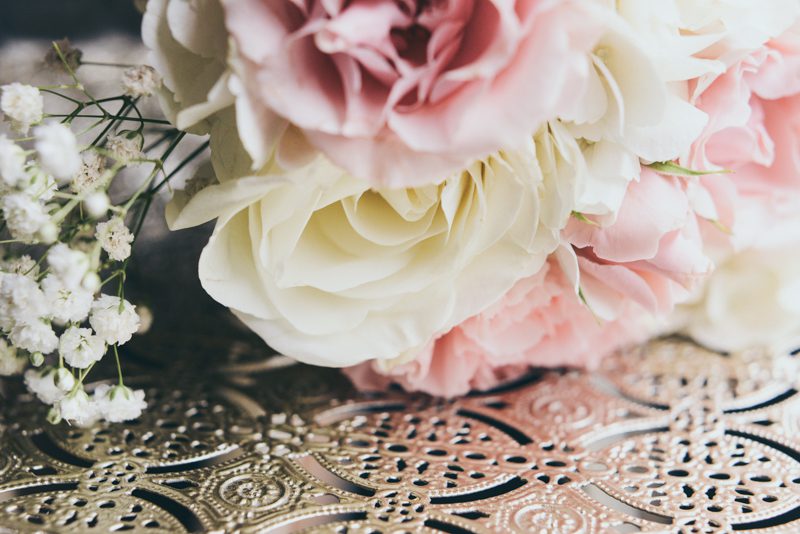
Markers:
point(665, 437)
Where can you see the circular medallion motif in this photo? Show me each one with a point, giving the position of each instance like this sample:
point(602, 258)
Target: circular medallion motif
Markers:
point(543, 518)
point(253, 492)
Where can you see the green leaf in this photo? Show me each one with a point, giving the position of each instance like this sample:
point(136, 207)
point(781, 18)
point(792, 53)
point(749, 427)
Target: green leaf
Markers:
point(668, 167)
point(581, 296)
point(583, 218)
point(721, 227)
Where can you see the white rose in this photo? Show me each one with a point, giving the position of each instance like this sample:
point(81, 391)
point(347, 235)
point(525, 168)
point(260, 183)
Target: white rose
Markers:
point(333, 273)
point(739, 26)
point(633, 106)
point(188, 47)
point(752, 299)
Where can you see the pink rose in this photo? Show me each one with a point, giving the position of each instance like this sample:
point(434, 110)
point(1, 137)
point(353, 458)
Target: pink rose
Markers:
point(540, 322)
point(652, 254)
point(753, 130)
point(402, 92)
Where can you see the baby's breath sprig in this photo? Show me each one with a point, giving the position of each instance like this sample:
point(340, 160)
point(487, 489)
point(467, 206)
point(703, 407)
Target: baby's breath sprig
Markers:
point(65, 241)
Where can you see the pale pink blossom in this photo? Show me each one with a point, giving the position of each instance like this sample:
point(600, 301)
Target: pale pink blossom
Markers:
point(753, 131)
point(652, 254)
point(403, 92)
point(540, 322)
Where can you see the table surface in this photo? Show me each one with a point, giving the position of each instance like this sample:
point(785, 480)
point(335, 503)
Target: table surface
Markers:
point(664, 437)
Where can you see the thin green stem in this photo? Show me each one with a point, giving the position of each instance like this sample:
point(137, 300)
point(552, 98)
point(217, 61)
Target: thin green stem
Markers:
point(112, 117)
point(82, 375)
point(74, 77)
point(164, 137)
point(122, 114)
point(153, 174)
point(107, 64)
point(196, 152)
point(56, 93)
point(119, 366)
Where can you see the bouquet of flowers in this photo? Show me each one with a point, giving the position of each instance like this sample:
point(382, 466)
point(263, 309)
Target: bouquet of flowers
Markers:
point(439, 194)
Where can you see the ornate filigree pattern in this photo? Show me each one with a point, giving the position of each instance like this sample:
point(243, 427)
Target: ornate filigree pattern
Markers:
point(665, 437)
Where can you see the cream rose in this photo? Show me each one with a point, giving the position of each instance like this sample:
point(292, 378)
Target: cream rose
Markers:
point(188, 47)
point(333, 273)
point(752, 299)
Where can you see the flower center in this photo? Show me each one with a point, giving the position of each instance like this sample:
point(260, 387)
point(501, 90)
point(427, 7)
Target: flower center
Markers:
point(411, 43)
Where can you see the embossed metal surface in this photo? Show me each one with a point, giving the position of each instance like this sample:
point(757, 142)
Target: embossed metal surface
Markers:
point(667, 437)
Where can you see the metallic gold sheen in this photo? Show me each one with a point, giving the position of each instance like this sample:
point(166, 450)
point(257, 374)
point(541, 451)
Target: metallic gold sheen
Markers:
point(667, 437)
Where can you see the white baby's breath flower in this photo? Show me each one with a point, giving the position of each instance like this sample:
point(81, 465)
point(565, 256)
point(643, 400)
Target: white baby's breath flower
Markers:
point(21, 300)
point(145, 319)
point(69, 265)
point(119, 403)
point(80, 347)
point(11, 363)
point(91, 282)
point(22, 104)
point(12, 162)
point(24, 216)
point(115, 238)
point(78, 409)
point(96, 204)
point(49, 384)
point(90, 174)
point(140, 81)
point(66, 305)
point(114, 319)
point(39, 185)
point(124, 149)
point(58, 150)
point(34, 336)
point(23, 265)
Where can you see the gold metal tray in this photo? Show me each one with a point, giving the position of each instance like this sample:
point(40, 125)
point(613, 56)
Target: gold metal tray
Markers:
point(667, 437)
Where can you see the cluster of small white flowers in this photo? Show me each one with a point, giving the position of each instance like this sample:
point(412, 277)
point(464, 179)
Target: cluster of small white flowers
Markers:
point(52, 314)
point(80, 347)
point(140, 81)
point(49, 384)
point(22, 105)
point(114, 319)
point(123, 148)
point(115, 238)
point(24, 216)
point(77, 408)
point(66, 239)
point(11, 363)
point(30, 312)
point(90, 173)
point(119, 403)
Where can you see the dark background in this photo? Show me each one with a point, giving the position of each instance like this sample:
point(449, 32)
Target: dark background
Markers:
point(54, 19)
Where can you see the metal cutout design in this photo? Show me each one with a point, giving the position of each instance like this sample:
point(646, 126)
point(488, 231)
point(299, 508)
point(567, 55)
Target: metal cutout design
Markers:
point(666, 437)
